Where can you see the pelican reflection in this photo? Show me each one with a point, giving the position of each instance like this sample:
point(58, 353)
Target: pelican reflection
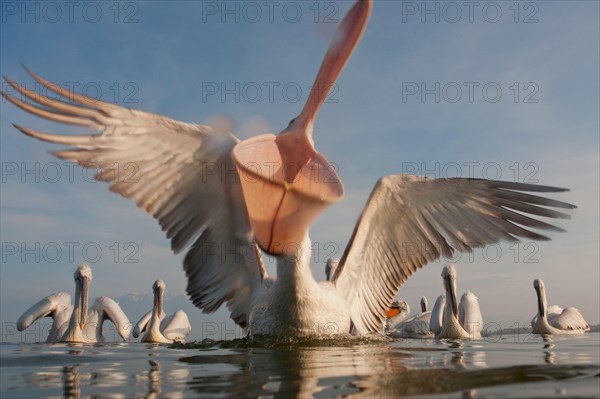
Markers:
point(369, 370)
point(73, 379)
point(155, 377)
point(71, 388)
point(291, 372)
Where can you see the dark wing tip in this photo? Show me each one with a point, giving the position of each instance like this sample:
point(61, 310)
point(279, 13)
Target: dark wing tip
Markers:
point(22, 129)
point(29, 71)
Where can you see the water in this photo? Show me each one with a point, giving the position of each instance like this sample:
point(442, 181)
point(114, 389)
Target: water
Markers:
point(505, 366)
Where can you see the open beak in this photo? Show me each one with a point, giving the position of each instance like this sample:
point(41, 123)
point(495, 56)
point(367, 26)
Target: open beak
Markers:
point(83, 302)
point(286, 182)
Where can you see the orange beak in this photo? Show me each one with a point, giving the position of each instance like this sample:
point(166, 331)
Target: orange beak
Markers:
point(391, 312)
point(282, 198)
point(286, 182)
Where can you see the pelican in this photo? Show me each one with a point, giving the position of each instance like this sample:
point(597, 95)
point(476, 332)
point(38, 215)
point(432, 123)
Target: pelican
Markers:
point(396, 313)
point(226, 200)
point(462, 321)
point(77, 323)
point(160, 328)
point(417, 326)
point(554, 319)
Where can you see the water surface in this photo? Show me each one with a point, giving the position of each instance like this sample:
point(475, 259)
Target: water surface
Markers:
point(509, 365)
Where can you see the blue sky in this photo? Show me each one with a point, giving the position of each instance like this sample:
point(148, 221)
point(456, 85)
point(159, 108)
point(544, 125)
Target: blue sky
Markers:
point(517, 92)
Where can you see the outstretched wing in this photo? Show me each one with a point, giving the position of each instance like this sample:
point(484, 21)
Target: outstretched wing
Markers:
point(141, 325)
point(176, 326)
point(180, 173)
point(108, 309)
point(437, 314)
point(410, 221)
point(52, 305)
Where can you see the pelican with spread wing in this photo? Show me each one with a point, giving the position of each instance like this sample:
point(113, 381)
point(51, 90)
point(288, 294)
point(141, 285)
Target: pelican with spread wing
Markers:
point(158, 327)
point(224, 200)
point(458, 321)
point(77, 323)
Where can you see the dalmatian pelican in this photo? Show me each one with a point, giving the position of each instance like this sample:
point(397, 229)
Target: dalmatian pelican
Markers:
point(224, 201)
point(77, 323)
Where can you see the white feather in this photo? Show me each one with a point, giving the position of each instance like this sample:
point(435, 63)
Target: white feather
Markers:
point(556, 320)
point(469, 315)
point(468, 323)
point(186, 179)
point(437, 314)
point(64, 327)
point(57, 306)
point(157, 326)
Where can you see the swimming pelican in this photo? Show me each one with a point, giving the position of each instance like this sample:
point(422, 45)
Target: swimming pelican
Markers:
point(159, 327)
point(396, 313)
point(462, 321)
point(554, 319)
point(77, 324)
point(224, 200)
point(417, 326)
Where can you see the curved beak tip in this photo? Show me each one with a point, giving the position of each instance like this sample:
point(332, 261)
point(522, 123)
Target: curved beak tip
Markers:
point(285, 182)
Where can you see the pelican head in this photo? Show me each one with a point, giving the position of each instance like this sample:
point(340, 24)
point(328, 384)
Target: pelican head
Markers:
point(83, 278)
point(83, 271)
point(331, 267)
point(159, 284)
point(285, 181)
point(398, 307)
point(158, 288)
point(540, 290)
point(423, 304)
point(449, 277)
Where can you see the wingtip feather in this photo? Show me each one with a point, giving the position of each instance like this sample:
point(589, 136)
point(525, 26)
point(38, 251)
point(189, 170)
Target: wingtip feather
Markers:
point(53, 138)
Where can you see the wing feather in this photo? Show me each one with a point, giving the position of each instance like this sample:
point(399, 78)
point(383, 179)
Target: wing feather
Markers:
point(108, 309)
point(570, 319)
point(142, 324)
point(180, 173)
point(176, 327)
point(437, 314)
point(48, 306)
point(410, 221)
